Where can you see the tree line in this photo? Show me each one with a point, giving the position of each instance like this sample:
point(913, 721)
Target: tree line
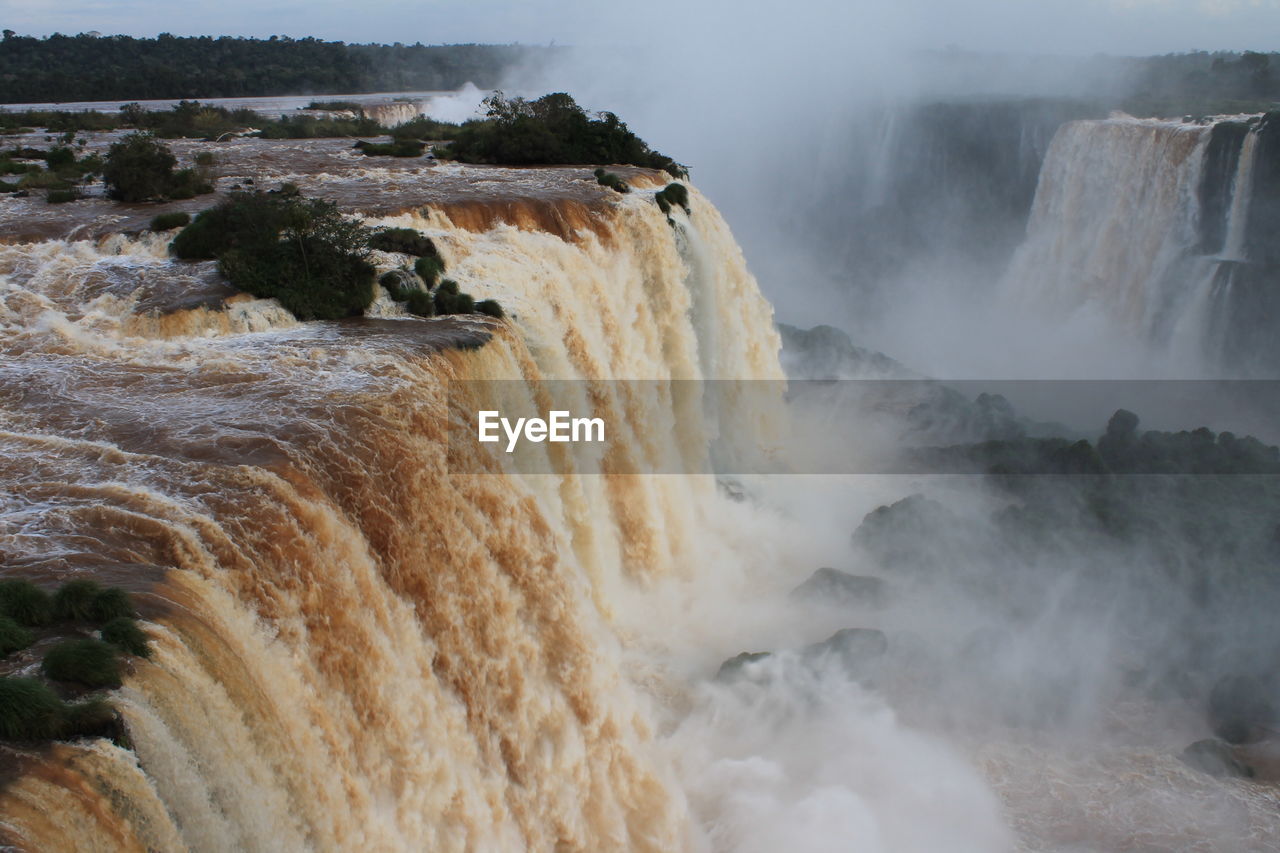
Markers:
point(89, 67)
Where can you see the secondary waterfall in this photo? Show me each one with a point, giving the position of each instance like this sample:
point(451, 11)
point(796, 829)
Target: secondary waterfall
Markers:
point(1149, 222)
point(354, 647)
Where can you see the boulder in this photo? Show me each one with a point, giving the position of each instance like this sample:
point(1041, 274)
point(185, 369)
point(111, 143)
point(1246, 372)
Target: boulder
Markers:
point(858, 650)
point(904, 535)
point(732, 668)
point(832, 586)
point(1216, 758)
point(1241, 709)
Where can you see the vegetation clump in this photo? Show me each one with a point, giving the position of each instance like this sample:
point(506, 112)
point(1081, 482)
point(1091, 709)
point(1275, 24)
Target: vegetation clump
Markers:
point(612, 181)
point(281, 245)
point(123, 633)
point(89, 662)
point(406, 241)
point(421, 303)
point(673, 195)
point(84, 600)
point(553, 130)
point(31, 711)
point(450, 300)
point(314, 260)
point(491, 308)
point(395, 148)
point(141, 168)
point(169, 221)
point(63, 171)
point(310, 127)
point(336, 106)
point(25, 603)
point(400, 283)
point(13, 637)
point(429, 268)
point(424, 128)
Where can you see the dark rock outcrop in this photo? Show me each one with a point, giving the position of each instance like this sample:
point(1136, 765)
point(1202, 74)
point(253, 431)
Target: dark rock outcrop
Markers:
point(732, 668)
point(832, 586)
point(858, 650)
point(1216, 758)
point(1241, 709)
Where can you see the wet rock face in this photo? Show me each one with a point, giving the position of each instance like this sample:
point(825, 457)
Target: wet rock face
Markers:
point(855, 651)
point(1216, 758)
point(858, 650)
point(1242, 709)
point(832, 586)
point(900, 535)
point(827, 353)
point(732, 668)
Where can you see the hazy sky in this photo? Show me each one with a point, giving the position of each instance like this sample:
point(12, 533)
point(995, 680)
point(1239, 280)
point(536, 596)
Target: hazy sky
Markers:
point(1074, 26)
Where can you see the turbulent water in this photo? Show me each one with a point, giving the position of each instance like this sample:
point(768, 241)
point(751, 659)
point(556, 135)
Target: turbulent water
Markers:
point(354, 647)
point(364, 642)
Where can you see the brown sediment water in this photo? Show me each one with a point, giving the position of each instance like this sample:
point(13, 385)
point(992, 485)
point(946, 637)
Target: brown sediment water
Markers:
point(355, 646)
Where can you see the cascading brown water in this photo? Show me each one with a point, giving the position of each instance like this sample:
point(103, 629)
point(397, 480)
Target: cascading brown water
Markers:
point(356, 646)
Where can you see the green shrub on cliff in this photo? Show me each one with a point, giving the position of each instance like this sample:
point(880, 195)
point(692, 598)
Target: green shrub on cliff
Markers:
point(552, 130)
point(91, 663)
point(421, 303)
point(30, 710)
point(312, 278)
point(123, 633)
point(612, 181)
point(111, 603)
point(429, 268)
point(449, 300)
point(399, 283)
point(25, 603)
point(84, 600)
point(673, 195)
point(491, 308)
point(73, 602)
point(298, 250)
point(13, 636)
point(93, 718)
point(403, 240)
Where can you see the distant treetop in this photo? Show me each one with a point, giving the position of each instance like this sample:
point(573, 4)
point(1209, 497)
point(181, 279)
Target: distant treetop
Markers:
point(89, 67)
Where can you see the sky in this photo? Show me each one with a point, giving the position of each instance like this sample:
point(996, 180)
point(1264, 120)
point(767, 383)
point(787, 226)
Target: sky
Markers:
point(1036, 26)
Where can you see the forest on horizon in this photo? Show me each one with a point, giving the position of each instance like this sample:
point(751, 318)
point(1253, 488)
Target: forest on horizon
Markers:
point(90, 67)
point(94, 67)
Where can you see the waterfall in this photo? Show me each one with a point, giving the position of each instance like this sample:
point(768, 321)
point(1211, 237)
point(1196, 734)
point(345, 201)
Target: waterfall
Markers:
point(393, 113)
point(356, 647)
point(1241, 191)
point(1146, 222)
